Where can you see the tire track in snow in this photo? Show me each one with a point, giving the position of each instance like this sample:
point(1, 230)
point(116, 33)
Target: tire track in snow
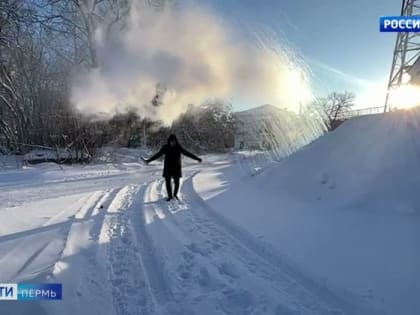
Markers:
point(208, 268)
point(97, 200)
point(153, 262)
point(169, 241)
point(40, 245)
point(264, 261)
point(123, 275)
point(134, 271)
point(142, 235)
point(78, 267)
point(212, 264)
point(183, 258)
point(93, 203)
point(31, 258)
point(215, 255)
point(196, 277)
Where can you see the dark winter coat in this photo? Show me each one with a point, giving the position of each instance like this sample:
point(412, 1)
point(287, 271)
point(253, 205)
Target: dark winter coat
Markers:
point(172, 162)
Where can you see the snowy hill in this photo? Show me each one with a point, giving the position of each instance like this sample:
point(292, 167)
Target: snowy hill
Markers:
point(345, 208)
point(333, 229)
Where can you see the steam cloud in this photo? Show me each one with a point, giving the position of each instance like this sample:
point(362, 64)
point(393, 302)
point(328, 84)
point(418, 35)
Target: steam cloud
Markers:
point(190, 55)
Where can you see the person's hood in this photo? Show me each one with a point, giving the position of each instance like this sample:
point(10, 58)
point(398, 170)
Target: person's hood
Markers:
point(173, 137)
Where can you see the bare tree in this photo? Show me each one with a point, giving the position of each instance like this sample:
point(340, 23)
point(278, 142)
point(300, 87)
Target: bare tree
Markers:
point(209, 127)
point(41, 43)
point(334, 106)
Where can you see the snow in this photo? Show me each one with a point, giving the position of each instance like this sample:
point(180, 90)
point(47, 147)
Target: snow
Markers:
point(333, 229)
point(345, 208)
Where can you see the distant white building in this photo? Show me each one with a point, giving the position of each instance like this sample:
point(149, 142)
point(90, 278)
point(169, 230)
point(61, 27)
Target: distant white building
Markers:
point(264, 127)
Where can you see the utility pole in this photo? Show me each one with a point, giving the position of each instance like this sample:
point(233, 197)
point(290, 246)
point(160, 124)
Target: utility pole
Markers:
point(406, 53)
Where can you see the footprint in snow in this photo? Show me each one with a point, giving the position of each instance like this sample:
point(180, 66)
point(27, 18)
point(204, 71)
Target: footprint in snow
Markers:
point(237, 301)
point(229, 270)
point(197, 249)
point(324, 179)
point(204, 277)
point(283, 310)
point(184, 271)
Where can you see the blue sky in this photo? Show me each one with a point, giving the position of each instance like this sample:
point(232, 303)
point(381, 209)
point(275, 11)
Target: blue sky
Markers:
point(339, 40)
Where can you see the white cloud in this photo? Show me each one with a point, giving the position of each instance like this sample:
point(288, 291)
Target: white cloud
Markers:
point(195, 55)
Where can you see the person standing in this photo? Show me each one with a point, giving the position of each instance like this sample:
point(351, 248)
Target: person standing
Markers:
point(172, 167)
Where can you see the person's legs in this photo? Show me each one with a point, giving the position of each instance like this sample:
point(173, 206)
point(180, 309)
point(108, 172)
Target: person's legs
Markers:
point(176, 181)
point(168, 187)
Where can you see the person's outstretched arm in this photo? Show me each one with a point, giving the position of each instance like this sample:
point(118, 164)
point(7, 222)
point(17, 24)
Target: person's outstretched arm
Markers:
point(190, 155)
point(156, 156)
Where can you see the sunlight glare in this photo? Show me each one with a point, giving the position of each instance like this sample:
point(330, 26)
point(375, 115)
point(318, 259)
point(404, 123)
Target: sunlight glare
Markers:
point(405, 97)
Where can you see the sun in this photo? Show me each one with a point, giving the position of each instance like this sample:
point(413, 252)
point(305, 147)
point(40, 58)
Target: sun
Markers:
point(405, 97)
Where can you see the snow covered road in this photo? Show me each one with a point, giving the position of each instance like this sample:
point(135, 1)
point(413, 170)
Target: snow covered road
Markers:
point(333, 229)
point(118, 248)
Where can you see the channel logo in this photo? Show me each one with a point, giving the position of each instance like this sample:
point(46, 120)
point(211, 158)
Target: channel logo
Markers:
point(30, 291)
point(399, 24)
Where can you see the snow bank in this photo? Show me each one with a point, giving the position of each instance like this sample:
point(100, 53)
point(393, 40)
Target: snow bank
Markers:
point(8, 162)
point(345, 208)
point(119, 155)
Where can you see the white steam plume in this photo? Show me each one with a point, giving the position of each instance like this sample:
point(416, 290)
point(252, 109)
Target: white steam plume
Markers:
point(193, 55)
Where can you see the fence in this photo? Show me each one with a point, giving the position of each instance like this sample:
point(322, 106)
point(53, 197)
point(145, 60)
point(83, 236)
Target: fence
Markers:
point(360, 112)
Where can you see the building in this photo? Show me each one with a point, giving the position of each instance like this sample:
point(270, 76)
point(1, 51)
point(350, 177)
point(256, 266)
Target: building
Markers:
point(264, 128)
